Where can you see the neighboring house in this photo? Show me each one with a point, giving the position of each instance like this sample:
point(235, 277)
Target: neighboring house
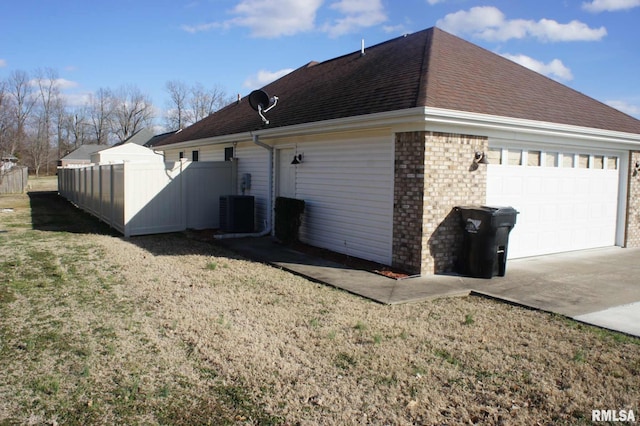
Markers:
point(155, 140)
point(141, 137)
point(385, 140)
point(81, 155)
point(130, 152)
point(145, 137)
point(7, 162)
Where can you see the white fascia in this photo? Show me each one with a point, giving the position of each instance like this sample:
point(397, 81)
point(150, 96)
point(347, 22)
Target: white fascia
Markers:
point(412, 117)
point(517, 129)
point(441, 120)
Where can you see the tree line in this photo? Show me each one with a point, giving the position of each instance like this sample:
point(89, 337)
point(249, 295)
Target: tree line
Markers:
point(38, 124)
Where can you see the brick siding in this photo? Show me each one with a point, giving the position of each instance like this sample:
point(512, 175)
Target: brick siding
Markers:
point(408, 196)
point(432, 176)
point(632, 237)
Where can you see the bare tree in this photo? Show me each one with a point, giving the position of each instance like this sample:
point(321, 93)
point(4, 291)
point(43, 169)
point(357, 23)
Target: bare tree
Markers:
point(78, 125)
point(204, 102)
point(48, 96)
point(133, 111)
point(188, 105)
point(178, 115)
point(61, 118)
point(6, 115)
point(101, 111)
point(21, 92)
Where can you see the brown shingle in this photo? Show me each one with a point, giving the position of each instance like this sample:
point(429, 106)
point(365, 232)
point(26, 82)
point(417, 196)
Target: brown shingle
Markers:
point(429, 68)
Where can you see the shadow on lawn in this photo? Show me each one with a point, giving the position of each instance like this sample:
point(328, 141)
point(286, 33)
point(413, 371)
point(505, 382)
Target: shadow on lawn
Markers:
point(51, 212)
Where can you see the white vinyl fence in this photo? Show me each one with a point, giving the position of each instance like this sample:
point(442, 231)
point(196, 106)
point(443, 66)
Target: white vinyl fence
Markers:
point(150, 198)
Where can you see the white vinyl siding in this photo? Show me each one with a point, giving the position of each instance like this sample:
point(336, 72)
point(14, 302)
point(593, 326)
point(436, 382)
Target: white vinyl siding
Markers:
point(206, 153)
point(345, 181)
point(254, 160)
point(347, 185)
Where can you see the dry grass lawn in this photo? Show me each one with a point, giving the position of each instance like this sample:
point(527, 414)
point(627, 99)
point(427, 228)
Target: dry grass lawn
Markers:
point(96, 329)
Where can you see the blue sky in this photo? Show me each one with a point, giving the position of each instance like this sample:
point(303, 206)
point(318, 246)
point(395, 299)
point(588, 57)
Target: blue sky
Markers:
point(592, 46)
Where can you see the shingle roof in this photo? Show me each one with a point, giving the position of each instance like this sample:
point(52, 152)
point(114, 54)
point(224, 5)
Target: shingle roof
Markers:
point(429, 68)
point(83, 152)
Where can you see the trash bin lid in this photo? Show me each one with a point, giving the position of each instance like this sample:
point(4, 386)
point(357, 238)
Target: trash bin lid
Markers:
point(497, 211)
point(497, 216)
point(503, 217)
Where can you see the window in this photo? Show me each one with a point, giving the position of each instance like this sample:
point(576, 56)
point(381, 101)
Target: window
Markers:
point(515, 157)
point(612, 163)
point(228, 153)
point(583, 161)
point(181, 155)
point(551, 159)
point(533, 158)
point(195, 155)
point(567, 161)
point(495, 156)
point(598, 162)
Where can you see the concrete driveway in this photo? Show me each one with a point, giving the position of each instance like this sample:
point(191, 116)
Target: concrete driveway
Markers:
point(599, 287)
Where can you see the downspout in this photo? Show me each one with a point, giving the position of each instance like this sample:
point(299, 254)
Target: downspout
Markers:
point(267, 226)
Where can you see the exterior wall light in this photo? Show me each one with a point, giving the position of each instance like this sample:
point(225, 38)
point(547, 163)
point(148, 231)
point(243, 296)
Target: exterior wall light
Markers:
point(478, 158)
point(297, 159)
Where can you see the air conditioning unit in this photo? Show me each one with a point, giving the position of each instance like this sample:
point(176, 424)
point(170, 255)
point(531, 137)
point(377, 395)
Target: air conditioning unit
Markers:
point(237, 213)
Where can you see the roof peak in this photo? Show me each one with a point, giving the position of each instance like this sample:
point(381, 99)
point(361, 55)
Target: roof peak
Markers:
point(428, 68)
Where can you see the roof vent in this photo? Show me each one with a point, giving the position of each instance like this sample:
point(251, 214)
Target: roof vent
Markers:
point(362, 48)
point(261, 102)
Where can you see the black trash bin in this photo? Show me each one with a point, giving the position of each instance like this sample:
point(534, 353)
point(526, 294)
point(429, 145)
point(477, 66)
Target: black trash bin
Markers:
point(486, 240)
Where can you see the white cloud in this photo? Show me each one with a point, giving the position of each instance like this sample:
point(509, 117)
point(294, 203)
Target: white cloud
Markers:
point(77, 99)
point(596, 6)
point(201, 27)
point(271, 19)
point(432, 2)
point(268, 18)
point(64, 84)
point(264, 77)
point(625, 107)
point(356, 14)
point(60, 83)
point(554, 69)
point(489, 23)
point(3, 63)
point(395, 29)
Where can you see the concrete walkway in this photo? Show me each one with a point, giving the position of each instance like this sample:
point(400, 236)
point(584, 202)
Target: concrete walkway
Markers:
point(599, 287)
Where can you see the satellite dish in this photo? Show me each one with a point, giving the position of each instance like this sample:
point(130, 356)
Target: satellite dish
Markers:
point(261, 102)
point(258, 98)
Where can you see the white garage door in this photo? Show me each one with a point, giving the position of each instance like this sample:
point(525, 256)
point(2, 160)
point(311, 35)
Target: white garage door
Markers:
point(567, 200)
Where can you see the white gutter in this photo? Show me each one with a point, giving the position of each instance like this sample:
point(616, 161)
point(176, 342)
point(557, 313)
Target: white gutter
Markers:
point(436, 119)
point(267, 226)
point(518, 128)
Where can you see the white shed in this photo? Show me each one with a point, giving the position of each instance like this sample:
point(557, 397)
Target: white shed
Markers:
point(129, 152)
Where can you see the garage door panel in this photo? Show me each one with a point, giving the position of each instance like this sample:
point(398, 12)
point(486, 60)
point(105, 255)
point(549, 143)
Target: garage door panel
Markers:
point(561, 208)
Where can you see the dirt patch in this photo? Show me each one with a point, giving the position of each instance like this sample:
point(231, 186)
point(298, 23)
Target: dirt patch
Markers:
point(167, 329)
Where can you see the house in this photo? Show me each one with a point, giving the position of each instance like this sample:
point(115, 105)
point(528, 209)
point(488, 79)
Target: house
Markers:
point(141, 137)
point(145, 137)
point(387, 140)
point(130, 152)
point(155, 140)
point(81, 155)
point(7, 162)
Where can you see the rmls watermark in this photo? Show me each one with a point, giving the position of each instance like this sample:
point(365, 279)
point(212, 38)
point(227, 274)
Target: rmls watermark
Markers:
point(613, 416)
